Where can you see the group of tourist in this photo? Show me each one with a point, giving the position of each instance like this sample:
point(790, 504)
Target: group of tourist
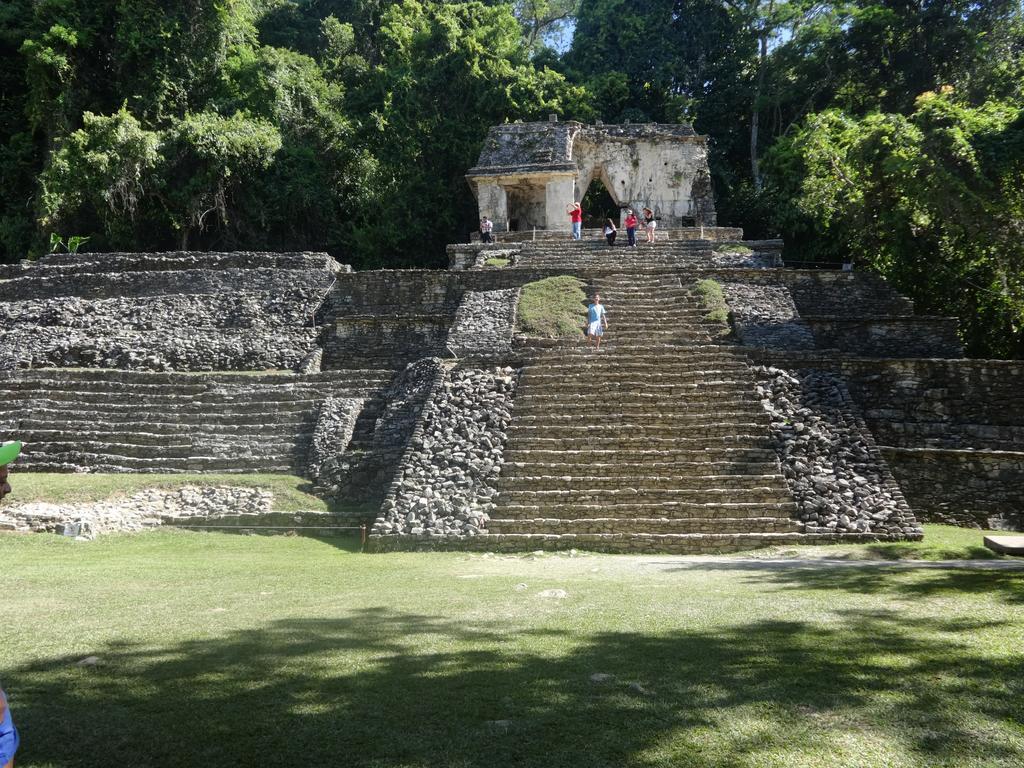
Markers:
point(575, 211)
point(650, 224)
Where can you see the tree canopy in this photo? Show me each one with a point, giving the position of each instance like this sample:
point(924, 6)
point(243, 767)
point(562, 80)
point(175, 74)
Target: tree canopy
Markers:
point(886, 131)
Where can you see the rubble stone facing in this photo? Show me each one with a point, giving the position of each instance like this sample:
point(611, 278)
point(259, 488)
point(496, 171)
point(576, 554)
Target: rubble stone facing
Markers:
point(484, 323)
point(365, 470)
point(178, 311)
point(178, 348)
point(765, 316)
point(976, 489)
point(331, 436)
point(146, 509)
point(447, 480)
point(831, 463)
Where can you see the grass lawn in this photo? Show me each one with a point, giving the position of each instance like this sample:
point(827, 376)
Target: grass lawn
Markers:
point(220, 650)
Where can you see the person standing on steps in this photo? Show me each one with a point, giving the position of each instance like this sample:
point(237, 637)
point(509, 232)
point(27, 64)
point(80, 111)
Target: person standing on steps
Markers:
point(597, 321)
point(486, 227)
point(631, 223)
point(575, 211)
point(610, 231)
point(650, 224)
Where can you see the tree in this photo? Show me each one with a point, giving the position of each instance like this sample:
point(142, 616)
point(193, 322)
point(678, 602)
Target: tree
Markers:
point(931, 200)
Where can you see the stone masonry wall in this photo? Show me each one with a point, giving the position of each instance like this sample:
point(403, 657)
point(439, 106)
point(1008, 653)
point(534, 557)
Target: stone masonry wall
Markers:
point(888, 336)
point(331, 436)
point(447, 479)
point(831, 463)
point(180, 311)
point(977, 489)
point(484, 323)
point(765, 316)
point(168, 349)
point(941, 403)
point(364, 470)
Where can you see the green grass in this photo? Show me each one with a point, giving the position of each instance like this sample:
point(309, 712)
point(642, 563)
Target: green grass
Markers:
point(733, 248)
point(553, 308)
point(495, 261)
point(941, 542)
point(230, 650)
point(291, 493)
point(712, 297)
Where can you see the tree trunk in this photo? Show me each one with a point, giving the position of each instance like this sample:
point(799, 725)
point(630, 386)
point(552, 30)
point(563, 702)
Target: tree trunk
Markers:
point(755, 170)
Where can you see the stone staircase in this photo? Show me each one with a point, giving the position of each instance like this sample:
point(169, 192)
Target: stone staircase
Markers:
point(584, 254)
point(657, 442)
point(120, 421)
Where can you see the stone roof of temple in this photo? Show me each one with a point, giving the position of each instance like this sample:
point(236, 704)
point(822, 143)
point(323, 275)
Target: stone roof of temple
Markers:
point(547, 146)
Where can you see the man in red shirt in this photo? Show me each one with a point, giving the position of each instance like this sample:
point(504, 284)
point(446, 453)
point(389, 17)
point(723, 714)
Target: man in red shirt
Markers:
point(575, 211)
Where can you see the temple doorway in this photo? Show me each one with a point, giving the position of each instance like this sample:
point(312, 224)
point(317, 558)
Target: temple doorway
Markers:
point(598, 205)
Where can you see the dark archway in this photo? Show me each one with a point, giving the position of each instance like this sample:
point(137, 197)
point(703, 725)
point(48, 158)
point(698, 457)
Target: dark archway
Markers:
point(598, 205)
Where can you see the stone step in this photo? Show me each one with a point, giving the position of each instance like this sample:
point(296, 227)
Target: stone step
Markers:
point(583, 477)
point(148, 411)
point(611, 401)
point(524, 417)
point(621, 443)
point(111, 449)
point(216, 422)
point(633, 455)
point(644, 509)
point(639, 377)
point(612, 366)
point(740, 472)
point(75, 461)
point(555, 499)
point(177, 450)
point(613, 428)
point(635, 525)
point(669, 543)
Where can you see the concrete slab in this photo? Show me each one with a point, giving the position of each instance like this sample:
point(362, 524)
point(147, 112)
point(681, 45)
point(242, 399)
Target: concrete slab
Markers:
point(1007, 545)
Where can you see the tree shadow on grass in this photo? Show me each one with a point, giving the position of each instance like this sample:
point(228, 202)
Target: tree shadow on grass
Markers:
point(868, 578)
point(383, 688)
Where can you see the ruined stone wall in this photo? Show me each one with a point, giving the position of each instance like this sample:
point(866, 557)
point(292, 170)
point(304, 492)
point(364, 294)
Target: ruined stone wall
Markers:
point(831, 463)
point(941, 403)
point(484, 324)
point(973, 488)
point(447, 479)
point(888, 336)
point(383, 428)
point(178, 311)
point(765, 316)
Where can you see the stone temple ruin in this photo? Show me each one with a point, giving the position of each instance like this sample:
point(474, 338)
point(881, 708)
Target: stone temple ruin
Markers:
point(825, 409)
point(528, 172)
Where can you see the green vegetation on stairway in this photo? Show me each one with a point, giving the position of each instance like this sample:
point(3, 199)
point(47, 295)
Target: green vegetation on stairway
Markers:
point(554, 307)
point(494, 261)
point(712, 297)
point(298, 652)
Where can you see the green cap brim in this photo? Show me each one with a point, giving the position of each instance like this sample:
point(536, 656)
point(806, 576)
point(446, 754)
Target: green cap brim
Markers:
point(9, 452)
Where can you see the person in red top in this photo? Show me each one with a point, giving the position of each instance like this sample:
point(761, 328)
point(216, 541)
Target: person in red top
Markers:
point(575, 211)
point(631, 223)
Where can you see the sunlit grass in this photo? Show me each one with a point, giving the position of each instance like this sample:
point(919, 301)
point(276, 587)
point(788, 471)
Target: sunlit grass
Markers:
point(228, 650)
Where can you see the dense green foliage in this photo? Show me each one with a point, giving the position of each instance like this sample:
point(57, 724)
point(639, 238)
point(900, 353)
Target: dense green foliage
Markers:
point(886, 131)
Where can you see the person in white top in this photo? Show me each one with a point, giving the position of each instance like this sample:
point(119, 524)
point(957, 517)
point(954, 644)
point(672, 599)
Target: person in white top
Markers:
point(597, 321)
point(486, 227)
